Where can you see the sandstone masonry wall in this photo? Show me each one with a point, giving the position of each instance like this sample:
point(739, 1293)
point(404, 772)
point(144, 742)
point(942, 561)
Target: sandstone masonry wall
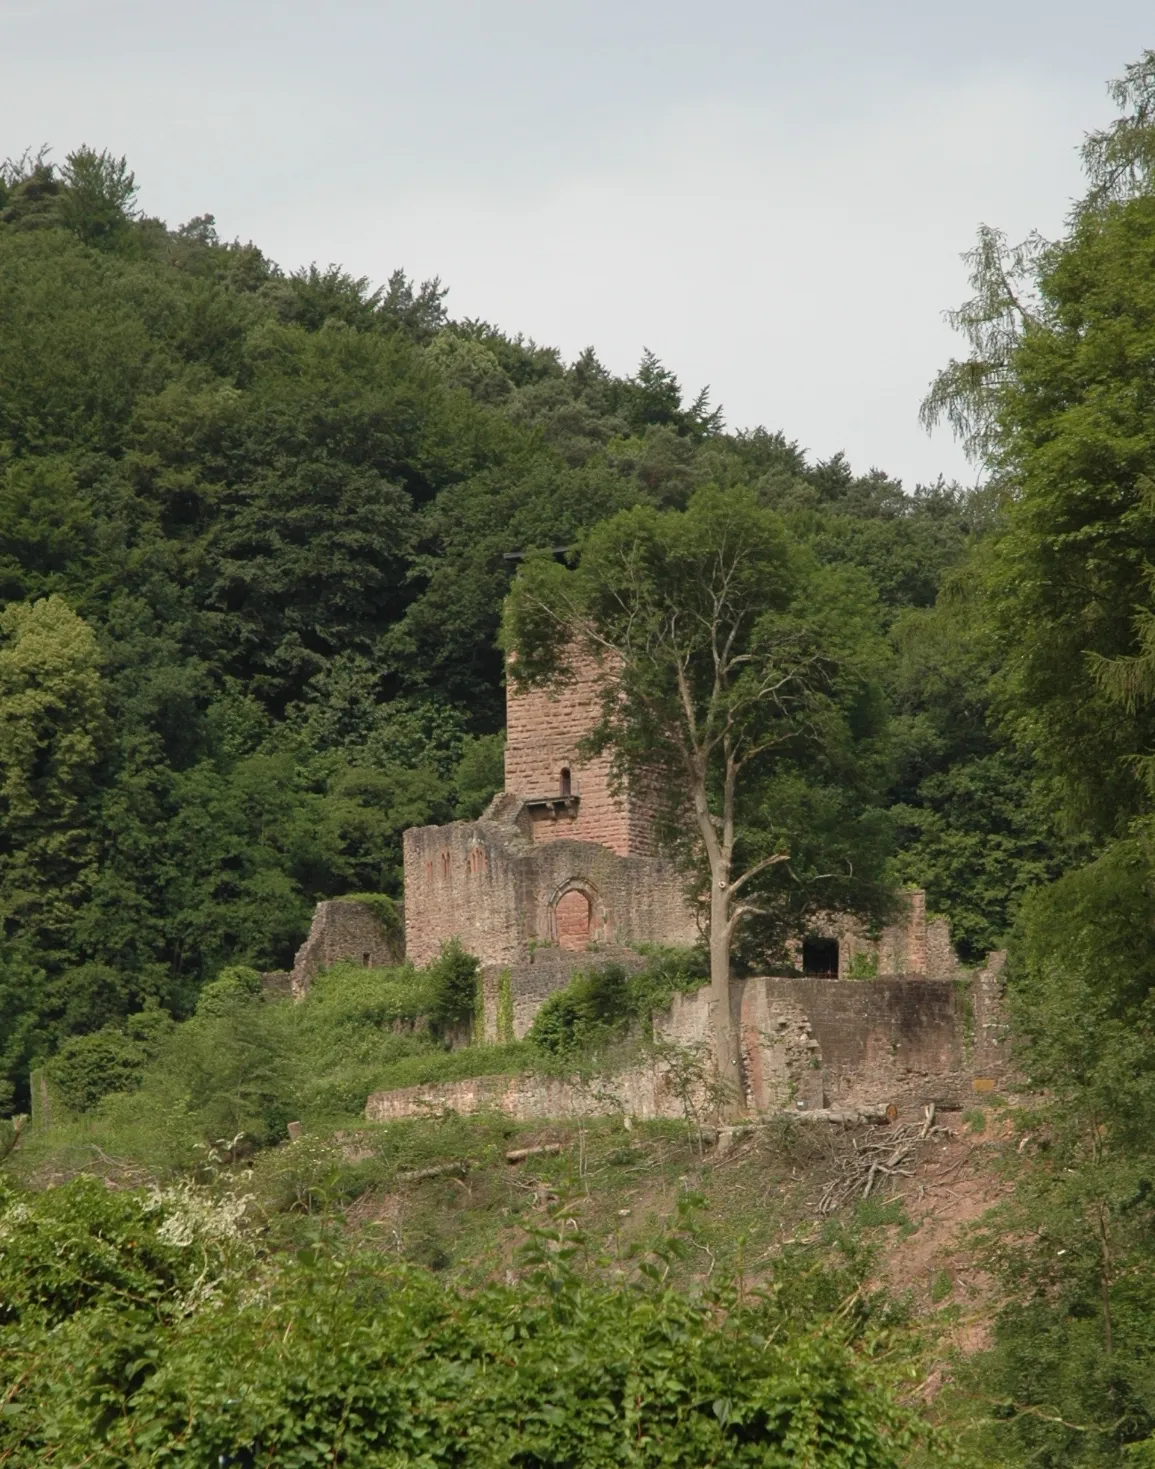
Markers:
point(806, 1043)
point(530, 983)
point(913, 944)
point(344, 930)
point(486, 883)
point(543, 728)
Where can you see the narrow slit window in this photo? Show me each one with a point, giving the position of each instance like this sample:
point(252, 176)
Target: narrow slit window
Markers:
point(566, 783)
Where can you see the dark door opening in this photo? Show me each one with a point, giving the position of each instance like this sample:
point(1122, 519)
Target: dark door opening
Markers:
point(820, 958)
point(566, 784)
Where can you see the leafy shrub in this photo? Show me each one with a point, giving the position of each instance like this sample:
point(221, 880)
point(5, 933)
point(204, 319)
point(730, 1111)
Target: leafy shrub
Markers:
point(232, 986)
point(453, 986)
point(592, 1008)
point(88, 1068)
point(668, 972)
point(135, 1332)
point(863, 966)
point(84, 1246)
point(598, 1006)
point(349, 996)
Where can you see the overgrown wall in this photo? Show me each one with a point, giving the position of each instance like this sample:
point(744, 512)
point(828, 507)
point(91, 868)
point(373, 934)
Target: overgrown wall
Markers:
point(345, 930)
point(806, 1044)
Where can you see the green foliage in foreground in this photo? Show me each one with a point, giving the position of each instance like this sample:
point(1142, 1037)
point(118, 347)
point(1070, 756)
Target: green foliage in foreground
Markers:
point(146, 1330)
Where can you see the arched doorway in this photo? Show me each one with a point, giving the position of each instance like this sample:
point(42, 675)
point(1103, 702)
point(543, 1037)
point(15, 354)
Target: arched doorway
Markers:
point(572, 920)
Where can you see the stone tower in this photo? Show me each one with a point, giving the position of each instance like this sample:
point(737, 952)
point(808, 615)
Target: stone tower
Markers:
point(558, 861)
point(564, 796)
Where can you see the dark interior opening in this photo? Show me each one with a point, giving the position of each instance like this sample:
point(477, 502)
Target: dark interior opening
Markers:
point(566, 784)
point(820, 958)
point(365, 960)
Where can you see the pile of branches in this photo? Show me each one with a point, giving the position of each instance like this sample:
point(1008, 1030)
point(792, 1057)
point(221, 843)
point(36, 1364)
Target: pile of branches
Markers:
point(871, 1163)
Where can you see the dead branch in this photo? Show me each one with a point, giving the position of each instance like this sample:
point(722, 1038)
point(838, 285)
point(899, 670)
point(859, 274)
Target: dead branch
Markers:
point(870, 1163)
point(440, 1170)
point(519, 1155)
point(15, 1128)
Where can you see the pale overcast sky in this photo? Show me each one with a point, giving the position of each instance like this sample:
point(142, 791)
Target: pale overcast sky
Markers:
point(773, 196)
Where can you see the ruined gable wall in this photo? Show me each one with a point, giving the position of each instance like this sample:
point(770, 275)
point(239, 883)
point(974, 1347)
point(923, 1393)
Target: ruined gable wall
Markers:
point(461, 883)
point(913, 944)
point(343, 930)
point(483, 883)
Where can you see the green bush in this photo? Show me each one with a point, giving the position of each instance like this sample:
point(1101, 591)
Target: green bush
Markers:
point(84, 1247)
point(453, 986)
point(592, 1008)
point(599, 1005)
point(348, 996)
point(140, 1331)
point(88, 1068)
point(232, 986)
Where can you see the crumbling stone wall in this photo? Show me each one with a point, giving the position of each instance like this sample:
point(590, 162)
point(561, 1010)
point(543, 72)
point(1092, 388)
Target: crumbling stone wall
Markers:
point(344, 930)
point(490, 885)
point(806, 1044)
point(913, 944)
point(527, 985)
point(645, 1093)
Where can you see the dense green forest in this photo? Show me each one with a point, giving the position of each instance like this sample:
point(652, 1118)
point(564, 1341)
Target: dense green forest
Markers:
point(254, 540)
point(257, 530)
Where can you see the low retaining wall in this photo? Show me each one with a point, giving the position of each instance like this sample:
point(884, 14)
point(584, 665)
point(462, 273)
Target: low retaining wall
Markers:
point(644, 1093)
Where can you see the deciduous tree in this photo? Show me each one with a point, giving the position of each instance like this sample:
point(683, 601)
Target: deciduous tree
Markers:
point(738, 683)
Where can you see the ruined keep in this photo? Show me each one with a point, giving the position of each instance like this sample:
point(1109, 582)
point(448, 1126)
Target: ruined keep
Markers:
point(562, 872)
point(558, 861)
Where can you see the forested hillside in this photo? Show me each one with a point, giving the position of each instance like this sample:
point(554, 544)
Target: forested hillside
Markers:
point(255, 530)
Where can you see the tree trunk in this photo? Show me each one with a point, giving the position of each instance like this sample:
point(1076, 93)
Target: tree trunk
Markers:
point(721, 1021)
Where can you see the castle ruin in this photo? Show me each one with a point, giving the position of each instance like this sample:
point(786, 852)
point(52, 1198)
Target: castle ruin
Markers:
point(561, 873)
point(559, 860)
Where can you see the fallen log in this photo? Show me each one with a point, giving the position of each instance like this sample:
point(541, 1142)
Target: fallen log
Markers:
point(519, 1155)
point(439, 1170)
point(845, 1115)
